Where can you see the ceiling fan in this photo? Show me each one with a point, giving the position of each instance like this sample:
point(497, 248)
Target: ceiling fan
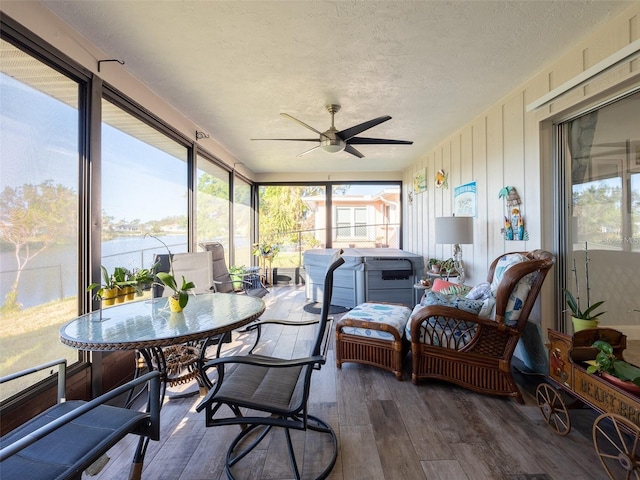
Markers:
point(334, 141)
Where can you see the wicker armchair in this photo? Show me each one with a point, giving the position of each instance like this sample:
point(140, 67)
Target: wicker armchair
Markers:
point(471, 351)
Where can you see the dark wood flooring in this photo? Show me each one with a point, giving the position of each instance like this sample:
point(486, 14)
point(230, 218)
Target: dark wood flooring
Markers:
point(387, 429)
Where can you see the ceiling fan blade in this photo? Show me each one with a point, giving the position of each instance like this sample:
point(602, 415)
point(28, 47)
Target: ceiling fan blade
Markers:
point(355, 130)
point(286, 115)
point(376, 141)
point(353, 151)
point(290, 139)
point(308, 151)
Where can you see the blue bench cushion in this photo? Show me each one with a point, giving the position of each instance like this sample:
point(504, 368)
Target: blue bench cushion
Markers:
point(72, 447)
point(395, 316)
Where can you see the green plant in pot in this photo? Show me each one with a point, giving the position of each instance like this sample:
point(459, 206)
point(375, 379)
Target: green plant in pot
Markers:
point(180, 296)
point(143, 278)
point(448, 268)
point(237, 273)
point(607, 364)
point(107, 291)
point(434, 265)
point(124, 280)
point(587, 318)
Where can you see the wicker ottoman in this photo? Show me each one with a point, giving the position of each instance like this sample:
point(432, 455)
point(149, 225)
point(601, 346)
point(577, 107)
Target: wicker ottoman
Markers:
point(371, 333)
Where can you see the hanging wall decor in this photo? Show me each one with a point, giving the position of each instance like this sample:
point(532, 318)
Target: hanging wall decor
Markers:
point(465, 200)
point(513, 220)
point(420, 181)
point(442, 179)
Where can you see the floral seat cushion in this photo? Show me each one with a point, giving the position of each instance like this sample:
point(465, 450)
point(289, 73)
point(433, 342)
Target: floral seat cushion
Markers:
point(448, 333)
point(395, 316)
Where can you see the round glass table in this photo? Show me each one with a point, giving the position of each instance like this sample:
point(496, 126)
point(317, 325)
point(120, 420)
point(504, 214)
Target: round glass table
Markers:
point(150, 324)
point(150, 328)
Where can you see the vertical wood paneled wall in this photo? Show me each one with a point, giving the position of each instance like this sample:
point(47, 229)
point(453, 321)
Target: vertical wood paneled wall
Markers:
point(508, 145)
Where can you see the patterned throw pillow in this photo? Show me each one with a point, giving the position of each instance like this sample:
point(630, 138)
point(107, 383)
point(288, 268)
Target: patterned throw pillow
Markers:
point(448, 333)
point(448, 288)
point(520, 291)
point(482, 291)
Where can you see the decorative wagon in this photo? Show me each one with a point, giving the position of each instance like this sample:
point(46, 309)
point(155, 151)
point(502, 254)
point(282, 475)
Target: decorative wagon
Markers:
point(616, 432)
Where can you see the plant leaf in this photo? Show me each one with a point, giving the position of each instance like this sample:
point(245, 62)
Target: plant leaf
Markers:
point(168, 280)
point(183, 298)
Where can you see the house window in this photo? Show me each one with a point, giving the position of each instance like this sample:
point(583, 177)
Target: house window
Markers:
point(39, 198)
point(601, 159)
point(351, 223)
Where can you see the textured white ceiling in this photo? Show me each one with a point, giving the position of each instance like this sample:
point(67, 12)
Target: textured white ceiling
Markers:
point(233, 66)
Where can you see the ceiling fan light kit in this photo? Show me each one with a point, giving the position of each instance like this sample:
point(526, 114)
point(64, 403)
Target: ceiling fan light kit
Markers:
point(334, 141)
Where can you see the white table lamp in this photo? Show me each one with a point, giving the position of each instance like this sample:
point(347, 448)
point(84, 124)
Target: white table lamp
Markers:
point(454, 231)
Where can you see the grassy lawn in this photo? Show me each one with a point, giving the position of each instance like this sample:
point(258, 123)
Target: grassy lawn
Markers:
point(30, 337)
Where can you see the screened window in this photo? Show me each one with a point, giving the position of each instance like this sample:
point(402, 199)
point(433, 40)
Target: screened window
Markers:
point(144, 191)
point(213, 206)
point(38, 210)
point(366, 215)
point(241, 222)
point(602, 159)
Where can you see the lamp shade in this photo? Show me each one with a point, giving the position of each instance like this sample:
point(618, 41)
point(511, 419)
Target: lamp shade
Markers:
point(454, 230)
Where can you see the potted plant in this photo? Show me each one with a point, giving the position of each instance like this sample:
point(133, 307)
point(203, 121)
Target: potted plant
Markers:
point(237, 273)
point(143, 278)
point(107, 291)
point(125, 283)
point(587, 318)
point(267, 251)
point(434, 265)
point(180, 296)
point(615, 370)
point(448, 267)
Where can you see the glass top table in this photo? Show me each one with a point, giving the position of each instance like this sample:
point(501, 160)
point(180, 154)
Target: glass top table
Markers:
point(150, 324)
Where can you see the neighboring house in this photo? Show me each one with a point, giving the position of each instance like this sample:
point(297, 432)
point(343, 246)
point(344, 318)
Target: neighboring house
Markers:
point(359, 220)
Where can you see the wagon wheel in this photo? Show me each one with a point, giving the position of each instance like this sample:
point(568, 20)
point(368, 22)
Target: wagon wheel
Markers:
point(616, 441)
point(553, 409)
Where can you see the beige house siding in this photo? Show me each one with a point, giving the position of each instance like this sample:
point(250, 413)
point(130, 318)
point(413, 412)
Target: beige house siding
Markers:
point(508, 145)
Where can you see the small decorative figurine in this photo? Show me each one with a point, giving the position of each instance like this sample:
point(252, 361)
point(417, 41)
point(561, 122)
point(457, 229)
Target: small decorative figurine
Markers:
point(513, 221)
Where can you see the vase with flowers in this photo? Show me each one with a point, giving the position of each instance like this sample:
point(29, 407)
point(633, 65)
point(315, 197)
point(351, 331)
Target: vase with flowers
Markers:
point(587, 318)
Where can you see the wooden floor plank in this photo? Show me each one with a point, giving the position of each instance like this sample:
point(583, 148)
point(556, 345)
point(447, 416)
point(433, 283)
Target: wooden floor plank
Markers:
point(397, 455)
point(359, 452)
point(444, 470)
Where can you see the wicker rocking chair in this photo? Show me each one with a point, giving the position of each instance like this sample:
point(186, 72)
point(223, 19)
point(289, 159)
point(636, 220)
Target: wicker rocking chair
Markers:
point(474, 352)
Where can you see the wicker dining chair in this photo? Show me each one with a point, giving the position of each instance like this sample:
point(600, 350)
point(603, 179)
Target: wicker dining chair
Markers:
point(264, 392)
point(475, 352)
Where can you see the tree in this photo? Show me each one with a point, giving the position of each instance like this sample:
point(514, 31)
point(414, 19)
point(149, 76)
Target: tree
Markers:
point(213, 207)
point(32, 217)
point(282, 212)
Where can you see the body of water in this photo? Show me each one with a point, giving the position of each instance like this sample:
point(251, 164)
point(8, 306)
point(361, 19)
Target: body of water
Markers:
point(54, 273)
